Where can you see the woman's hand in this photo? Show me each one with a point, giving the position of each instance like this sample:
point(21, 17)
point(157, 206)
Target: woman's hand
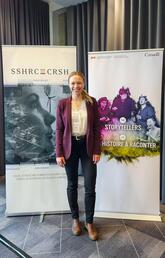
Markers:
point(114, 108)
point(61, 161)
point(138, 117)
point(96, 158)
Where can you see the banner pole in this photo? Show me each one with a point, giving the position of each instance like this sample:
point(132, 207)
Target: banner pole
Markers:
point(13, 247)
point(41, 218)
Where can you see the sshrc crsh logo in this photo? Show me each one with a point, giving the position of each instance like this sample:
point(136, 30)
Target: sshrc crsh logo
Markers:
point(41, 71)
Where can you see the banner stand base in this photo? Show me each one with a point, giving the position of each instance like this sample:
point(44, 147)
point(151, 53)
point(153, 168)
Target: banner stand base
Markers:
point(41, 214)
point(127, 216)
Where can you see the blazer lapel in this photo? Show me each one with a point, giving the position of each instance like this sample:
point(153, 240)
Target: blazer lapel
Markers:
point(88, 105)
point(69, 112)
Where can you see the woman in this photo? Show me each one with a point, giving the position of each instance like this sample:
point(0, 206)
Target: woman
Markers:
point(78, 137)
point(123, 105)
point(153, 132)
point(145, 111)
point(104, 110)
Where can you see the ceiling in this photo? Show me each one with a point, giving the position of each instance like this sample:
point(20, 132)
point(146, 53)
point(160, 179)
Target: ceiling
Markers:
point(67, 2)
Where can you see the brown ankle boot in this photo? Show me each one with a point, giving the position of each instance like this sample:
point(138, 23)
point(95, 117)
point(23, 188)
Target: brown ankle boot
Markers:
point(92, 233)
point(76, 227)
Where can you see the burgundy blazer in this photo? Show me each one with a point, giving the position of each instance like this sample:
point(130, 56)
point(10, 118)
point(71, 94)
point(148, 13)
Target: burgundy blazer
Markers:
point(64, 129)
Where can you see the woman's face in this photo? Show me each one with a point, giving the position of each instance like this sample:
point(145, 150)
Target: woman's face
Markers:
point(150, 123)
point(123, 96)
point(103, 104)
point(76, 84)
point(142, 100)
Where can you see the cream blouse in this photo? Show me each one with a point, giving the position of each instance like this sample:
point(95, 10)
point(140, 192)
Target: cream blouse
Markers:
point(79, 120)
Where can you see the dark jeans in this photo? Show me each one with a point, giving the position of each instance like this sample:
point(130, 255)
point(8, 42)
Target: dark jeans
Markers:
point(79, 151)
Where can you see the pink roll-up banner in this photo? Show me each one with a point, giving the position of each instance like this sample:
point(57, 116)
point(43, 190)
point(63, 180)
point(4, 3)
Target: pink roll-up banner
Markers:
point(127, 86)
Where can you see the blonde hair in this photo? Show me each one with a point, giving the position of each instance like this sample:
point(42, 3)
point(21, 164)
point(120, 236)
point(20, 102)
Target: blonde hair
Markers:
point(85, 95)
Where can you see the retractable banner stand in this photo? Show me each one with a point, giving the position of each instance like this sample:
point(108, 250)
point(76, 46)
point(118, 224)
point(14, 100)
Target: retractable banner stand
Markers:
point(127, 85)
point(35, 78)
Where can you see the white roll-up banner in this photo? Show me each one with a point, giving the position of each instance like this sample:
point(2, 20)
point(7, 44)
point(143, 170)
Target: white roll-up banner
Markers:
point(127, 86)
point(35, 78)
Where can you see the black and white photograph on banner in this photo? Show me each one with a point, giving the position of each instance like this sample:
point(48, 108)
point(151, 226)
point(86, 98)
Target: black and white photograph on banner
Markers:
point(30, 112)
point(130, 124)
